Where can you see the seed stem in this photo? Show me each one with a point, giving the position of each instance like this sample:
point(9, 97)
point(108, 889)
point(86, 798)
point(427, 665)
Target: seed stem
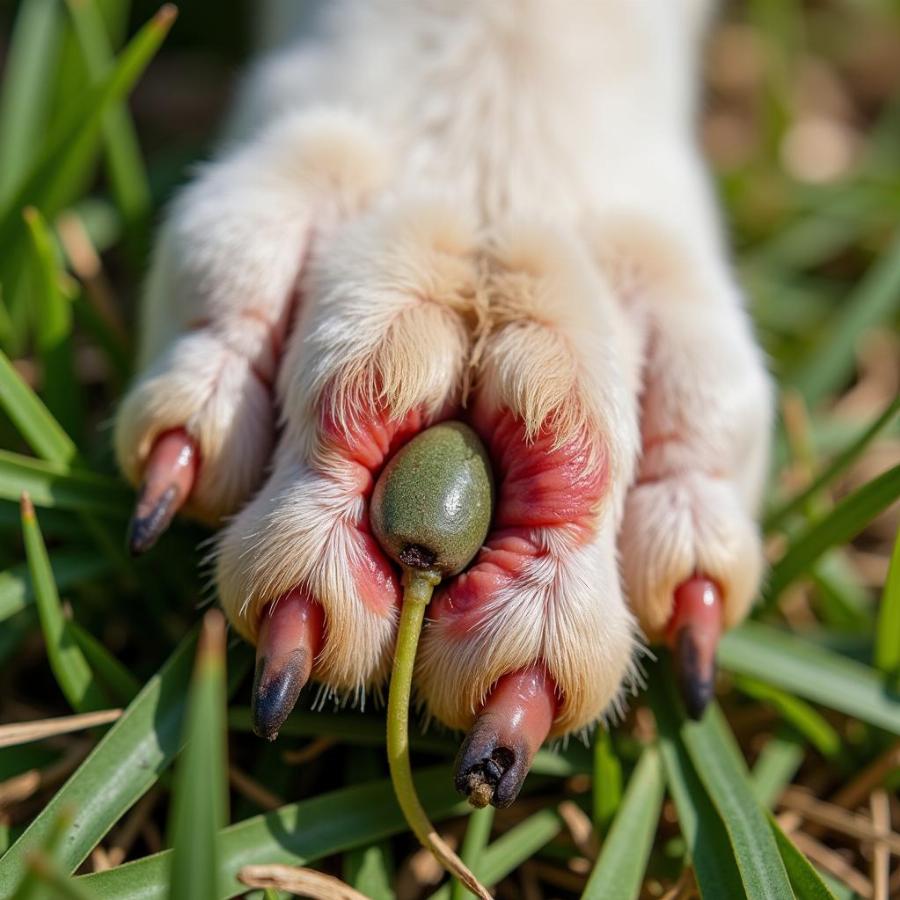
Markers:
point(418, 586)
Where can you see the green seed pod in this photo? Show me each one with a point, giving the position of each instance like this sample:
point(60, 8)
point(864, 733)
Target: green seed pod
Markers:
point(432, 504)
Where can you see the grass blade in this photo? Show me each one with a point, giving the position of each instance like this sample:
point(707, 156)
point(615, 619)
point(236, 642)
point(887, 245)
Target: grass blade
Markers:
point(810, 240)
point(65, 152)
point(798, 713)
point(72, 672)
point(368, 731)
point(73, 81)
point(811, 671)
point(839, 464)
point(30, 886)
point(368, 869)
point(297, 834)
point(841, 601)
point(805, 880)
point(200, 795)
point(32, 418)
point(27, 79)
point(353, 728)
point(704, 832)
point(121, 768)
point(96, 326)
point(126, 167)
point(844, 522)
point(776, 765)
point(63, 161)
point(887, 631)
point(47, 438)
point(68, 569)
point(722, 770)
point(57, 486)
point(873, 303)
point(619, 871)
point(607, 785)
point(369, 873)
point(512, 849)
point(123, 687)
point(55, 883)
point(52, 315)
point(478, 832)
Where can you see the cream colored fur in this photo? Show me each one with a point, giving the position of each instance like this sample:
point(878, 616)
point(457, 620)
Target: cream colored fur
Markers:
point(497, 199)
point(220, 293)
point(559, 352)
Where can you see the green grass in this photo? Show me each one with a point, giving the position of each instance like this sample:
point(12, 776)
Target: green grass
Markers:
point(810, 689)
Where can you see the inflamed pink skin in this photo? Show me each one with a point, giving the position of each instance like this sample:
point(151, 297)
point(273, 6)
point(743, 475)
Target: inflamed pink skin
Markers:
point(539, 486)
point(393, 220)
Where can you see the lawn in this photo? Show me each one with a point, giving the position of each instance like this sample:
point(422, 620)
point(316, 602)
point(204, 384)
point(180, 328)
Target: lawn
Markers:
point(789, 784)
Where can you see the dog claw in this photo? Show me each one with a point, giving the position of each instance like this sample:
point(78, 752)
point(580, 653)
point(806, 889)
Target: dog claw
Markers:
point(692, 634)
point(496, 755)
point(169, 476)
point(290, 635)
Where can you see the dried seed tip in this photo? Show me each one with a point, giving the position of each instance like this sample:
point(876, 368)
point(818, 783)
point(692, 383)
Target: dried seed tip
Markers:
point(27, 507)
point(417, 557)
point(211, 646)
point(480, 793)
point(165, 16)
point(431, 507)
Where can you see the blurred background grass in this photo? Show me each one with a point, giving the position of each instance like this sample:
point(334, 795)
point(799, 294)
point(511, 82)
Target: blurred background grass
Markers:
point(802, 125)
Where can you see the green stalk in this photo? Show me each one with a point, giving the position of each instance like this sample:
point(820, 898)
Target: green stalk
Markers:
point(478, 832)
point(418, 587)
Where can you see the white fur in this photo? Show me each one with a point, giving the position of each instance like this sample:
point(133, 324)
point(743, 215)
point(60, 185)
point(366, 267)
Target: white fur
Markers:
point(504, 196)
point(219, 296)
point(389, 308)
point(296, 530)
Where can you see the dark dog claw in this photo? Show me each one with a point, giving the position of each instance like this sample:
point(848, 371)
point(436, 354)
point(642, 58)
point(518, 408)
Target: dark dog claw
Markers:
point(290, 633)
point(496, 755)
point(169, 476)
point(693, 633)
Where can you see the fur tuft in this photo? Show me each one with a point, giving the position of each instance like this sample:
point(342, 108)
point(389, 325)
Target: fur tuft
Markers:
point(388, 321)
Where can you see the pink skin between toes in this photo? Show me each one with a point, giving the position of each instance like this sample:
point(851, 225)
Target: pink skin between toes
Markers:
point(363, 450)
point(539, 487)
point(352, 457)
